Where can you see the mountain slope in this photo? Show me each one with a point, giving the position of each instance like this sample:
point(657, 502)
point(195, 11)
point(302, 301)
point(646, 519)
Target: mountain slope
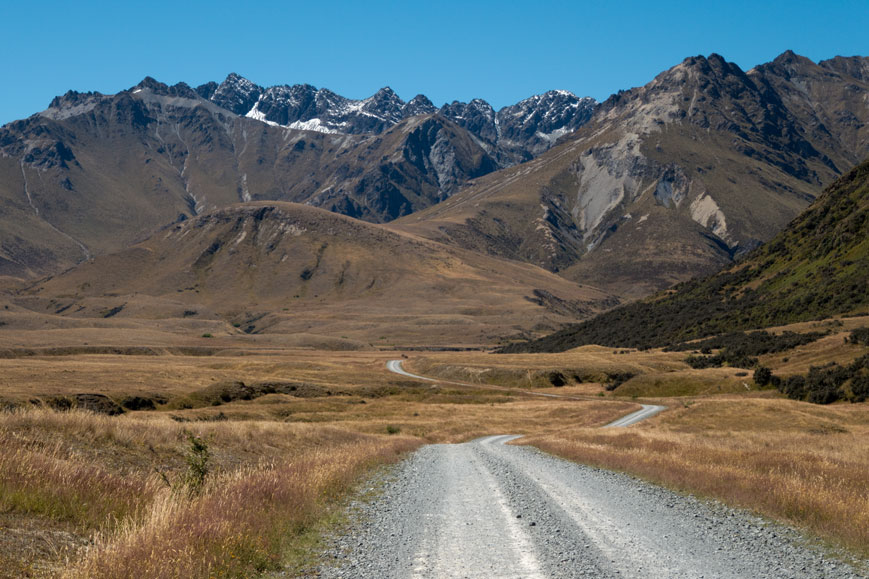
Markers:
point(817, 267)
point(672, 179)
point(287, 268)
point(95, 172)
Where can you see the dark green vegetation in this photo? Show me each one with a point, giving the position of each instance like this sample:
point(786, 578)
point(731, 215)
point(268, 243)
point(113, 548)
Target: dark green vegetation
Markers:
point(859, 336)
point(749, 343)
point(738, 349)
point(724, 358)
point(828, 383)
point(816, 268)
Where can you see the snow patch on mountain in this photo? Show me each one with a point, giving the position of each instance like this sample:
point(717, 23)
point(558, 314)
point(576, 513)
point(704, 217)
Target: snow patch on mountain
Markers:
point(313, 125)
point(258, 115)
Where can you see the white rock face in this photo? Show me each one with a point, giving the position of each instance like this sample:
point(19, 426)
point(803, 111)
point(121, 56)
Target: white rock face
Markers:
point(705, 211)
point(608, 177)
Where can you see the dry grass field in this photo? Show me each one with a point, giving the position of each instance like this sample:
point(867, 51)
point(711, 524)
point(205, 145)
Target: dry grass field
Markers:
point(251, 445)
point(287, 433)
point(792, 461)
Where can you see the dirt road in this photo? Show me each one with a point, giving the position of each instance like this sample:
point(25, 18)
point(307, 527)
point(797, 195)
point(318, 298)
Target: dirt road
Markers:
point(486, 509)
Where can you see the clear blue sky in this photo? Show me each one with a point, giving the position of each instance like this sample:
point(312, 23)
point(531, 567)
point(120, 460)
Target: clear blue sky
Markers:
point(501, 51)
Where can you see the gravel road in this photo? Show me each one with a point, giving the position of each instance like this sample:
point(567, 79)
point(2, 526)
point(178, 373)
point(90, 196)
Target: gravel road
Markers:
point(485, 509)
point(647, 410)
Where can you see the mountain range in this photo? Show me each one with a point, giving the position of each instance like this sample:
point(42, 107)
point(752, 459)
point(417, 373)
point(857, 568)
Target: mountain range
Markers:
point(652, 187)
point(512, 134)
point(94, 173)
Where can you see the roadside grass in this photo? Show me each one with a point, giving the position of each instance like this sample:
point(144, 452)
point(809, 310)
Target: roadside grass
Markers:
point(278, 466)
point(271, 482)
point(791, 461)
point(244, 522)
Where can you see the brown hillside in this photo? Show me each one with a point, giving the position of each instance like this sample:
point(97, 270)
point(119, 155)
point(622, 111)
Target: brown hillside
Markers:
point(286, 268)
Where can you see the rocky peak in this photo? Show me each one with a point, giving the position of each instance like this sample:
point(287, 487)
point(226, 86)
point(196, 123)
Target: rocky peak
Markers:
point(384, 104)
point(791, 58)
point(181, 89)
point(477, 116)
point(712, 69)
point(286, 104)
point(787, 65)
point(72, 99)
point(418, 105)
point(853, 66)
point(236, 94)
point(206, 90)
point(153, 85)
point(328, 100)
point(548, 115)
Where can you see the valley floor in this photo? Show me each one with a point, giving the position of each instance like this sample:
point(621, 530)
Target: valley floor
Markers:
point(234, 455)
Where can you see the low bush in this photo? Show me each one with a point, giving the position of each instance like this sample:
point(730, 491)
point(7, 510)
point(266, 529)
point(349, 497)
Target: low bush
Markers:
point(616, 379)
point(859, 336)
point(724, 358)
point(830, 383)
point(749, 343)
point(762, 375)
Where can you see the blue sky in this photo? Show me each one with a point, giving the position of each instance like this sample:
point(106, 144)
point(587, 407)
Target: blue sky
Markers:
point(453, 50)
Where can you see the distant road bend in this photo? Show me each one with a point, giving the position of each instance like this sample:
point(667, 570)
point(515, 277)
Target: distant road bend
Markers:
point(647, 410)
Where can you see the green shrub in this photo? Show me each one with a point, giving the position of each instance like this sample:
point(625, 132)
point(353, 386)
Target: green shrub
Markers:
point(859, 336)
point(762, 375)
point(197, 464)
point(726, 357)
point(616, 379)
point(827, 384)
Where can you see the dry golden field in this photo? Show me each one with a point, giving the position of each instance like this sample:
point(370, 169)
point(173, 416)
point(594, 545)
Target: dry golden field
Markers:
point(289, 432)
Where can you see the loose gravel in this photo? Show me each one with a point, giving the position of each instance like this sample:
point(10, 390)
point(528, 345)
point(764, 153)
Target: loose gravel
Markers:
point(486, 509)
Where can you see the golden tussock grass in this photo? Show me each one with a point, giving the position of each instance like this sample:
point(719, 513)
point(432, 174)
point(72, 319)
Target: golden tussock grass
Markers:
point(270, 481)
point(242, 522)
point(280, 463)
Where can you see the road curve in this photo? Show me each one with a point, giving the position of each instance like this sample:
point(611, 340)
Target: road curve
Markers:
point(489, 510)
point(647, 410)
point(395, 366)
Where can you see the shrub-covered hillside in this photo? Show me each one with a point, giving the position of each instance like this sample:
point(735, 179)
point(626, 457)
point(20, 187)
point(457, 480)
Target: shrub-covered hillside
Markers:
point(817, 267)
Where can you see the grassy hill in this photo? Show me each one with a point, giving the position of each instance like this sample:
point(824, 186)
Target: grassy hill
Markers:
point(817, 267)
point(284, 268)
